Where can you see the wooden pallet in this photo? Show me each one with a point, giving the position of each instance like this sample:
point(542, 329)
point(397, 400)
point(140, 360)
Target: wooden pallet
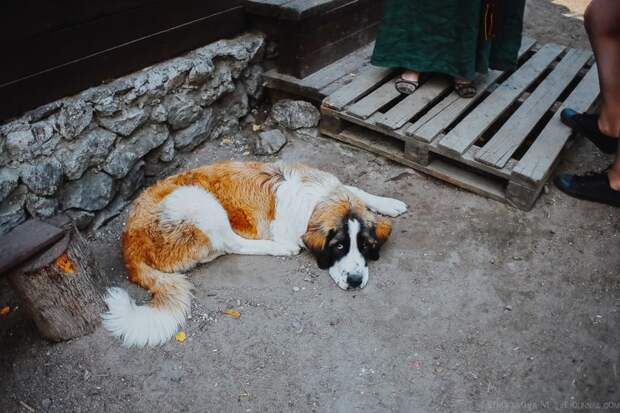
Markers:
point(503, 143)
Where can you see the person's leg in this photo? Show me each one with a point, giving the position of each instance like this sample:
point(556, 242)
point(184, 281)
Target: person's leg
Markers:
point(602, 20)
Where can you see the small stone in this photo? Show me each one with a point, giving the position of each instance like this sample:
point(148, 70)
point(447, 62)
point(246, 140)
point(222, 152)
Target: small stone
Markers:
point(39, 206)
point(269, 142)
point(167, 151)
point(44, 177)
point(126, 122)
point(295, 114)
point(159, 114)
point(508, 308)
point(195, 134)
point(296, 289)
point(12, 211)
point(89, 150)
point(128, 152)
point(200, 73)
point(74, 117)
point(182, 111)
point(82, 219)
point(92, 192)
point(8, 182)
point(46, 403)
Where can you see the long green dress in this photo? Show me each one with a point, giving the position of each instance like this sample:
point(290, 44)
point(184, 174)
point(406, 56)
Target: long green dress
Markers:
point(448, 36)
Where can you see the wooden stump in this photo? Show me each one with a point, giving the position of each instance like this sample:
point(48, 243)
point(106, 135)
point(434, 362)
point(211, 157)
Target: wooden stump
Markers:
point(62, 288)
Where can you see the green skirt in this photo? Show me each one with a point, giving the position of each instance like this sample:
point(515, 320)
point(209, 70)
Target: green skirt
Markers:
point(447, 36)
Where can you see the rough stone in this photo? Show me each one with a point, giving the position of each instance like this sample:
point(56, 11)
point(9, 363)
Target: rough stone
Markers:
point(12, 211)
point(221, 84)
point(128, 152)
point(192, 136)
point(269, 142)
point(201, 72)
point(43, 177)
point(74, 117)
point(126, 122)
point(19, 144)
point(167, 151)
point(235, 103)
point(92, 192)
point(133, 181)
point(182, 111)
point(9, 179)
point(253, 81)
point(159, 114)
point(82, 219)
point(43, 111)
point(39, 206)
point(90, 150)
point(295, 114)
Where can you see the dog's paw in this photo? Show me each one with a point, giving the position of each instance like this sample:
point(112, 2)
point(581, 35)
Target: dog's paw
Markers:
point(392, 207)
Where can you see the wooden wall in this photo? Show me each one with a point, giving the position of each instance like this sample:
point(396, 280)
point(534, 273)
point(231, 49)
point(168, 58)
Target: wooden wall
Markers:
point(54, 48)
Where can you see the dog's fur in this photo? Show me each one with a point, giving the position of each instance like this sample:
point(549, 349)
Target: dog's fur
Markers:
point(239, 208)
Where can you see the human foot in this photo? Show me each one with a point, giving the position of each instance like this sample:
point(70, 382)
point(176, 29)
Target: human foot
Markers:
point(465, 88)
point(587, 125)
point(408, 82)
point(594, 186)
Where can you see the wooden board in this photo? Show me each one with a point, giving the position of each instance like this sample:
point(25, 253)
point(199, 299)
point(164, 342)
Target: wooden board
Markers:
point(477, 122)
point(25, 241)
point(498, 151)
point(535, 165)
point(514, 112)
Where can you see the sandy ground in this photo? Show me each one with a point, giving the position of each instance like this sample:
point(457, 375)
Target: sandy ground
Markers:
point(474, 307)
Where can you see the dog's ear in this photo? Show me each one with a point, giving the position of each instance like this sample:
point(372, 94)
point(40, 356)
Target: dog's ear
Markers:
point(315, 240)
point(383, 229)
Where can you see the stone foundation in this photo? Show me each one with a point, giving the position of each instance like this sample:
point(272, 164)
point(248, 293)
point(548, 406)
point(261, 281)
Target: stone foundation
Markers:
point(87, 154)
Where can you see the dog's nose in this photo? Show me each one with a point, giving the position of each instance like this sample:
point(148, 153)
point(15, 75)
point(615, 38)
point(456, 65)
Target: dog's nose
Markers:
point(354, 280)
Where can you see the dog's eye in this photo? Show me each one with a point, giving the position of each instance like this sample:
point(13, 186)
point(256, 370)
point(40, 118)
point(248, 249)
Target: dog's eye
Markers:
point(340, 246)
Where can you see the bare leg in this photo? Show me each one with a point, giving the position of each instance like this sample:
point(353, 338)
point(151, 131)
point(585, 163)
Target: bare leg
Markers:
point(386, 206)
point(602, 23)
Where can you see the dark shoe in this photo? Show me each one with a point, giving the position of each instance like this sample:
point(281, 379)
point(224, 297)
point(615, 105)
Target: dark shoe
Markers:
point(593, 186)
point(587, 125)
point(406, 87)
point(465, 88)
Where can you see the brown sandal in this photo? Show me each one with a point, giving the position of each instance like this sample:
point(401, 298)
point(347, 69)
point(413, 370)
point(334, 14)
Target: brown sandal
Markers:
point(465, 88)
point(406, 87)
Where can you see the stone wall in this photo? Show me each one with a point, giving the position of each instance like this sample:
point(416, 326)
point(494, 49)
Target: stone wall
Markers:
point(87, 154)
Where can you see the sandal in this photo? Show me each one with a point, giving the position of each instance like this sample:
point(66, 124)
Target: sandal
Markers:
point(587, 125)
point(465, 88)
point(406, 87)
point(593, 186)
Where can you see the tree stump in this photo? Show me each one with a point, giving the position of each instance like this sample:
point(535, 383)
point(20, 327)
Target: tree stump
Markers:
point(62, 288)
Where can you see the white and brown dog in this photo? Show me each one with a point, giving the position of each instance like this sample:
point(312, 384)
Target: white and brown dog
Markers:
point(247, 208)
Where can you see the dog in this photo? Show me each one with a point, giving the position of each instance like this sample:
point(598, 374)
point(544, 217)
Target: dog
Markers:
point(248, 208)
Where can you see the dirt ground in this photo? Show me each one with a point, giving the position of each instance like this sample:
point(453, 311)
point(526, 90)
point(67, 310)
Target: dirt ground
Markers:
point(474, 307)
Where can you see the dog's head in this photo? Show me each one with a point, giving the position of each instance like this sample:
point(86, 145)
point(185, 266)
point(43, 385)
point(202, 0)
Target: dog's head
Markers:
point(343, 236)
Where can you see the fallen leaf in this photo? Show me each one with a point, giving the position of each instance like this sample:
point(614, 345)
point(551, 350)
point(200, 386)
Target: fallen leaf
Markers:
point(256, 127)
point(181, 336)
point(5, 310)
point(233, 313)
point(65, 264)
point(227, 141)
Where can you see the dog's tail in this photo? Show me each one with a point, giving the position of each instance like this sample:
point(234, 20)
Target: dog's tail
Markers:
point(153, 323)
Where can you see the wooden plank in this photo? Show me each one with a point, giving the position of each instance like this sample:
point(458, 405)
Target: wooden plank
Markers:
point(338, 69)
point(25, 241)
point(265, 7)
point(374, 101)
point(535, 166)
point(303, 9)
point(446, 171)
point(498, 151)
point(477, 122)
point(363, 83)
point(445, 112)
point(449, 109)
point(407, 108)
point(74, 76)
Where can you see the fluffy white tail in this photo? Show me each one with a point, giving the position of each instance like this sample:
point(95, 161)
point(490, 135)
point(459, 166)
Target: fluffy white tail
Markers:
point(156, 322)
